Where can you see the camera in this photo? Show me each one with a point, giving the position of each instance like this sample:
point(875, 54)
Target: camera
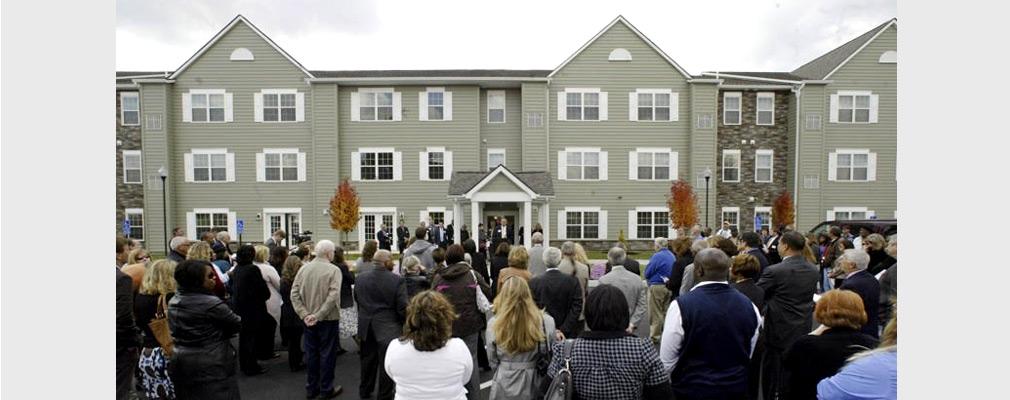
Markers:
point(302, 237)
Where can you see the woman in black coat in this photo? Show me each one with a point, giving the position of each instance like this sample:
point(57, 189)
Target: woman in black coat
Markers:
point(251, 294)
point(292, 327)
point(742, 272)
point(499, 262)
point(203, 361)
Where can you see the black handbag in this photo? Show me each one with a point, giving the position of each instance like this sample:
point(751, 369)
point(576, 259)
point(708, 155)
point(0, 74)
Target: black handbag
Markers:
point(562, 386)
point(543, 360)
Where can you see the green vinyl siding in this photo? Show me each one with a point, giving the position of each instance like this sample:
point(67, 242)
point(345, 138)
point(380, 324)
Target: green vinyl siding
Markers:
point(506, 135)
point(704, 100)
point(155, 147)
point(534, 140)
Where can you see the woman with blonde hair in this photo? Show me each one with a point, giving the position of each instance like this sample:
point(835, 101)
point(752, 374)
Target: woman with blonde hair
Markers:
point(201, 251)
point(519, 261)
point(516, 338)
point(136, 266)
point(265, 342)
point(155, 292)
point(871, 374)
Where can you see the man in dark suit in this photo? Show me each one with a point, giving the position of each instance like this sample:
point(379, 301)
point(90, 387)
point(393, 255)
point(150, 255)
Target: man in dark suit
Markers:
point(384, 238)
point(789, 289)
point(772, 247)
point(382, 307)
point(450, 235)
point(127, 335)
point(753, 242)
point(857, 279)
point(402, 236)
point(502, 233)
point(831, 253)
point(438, 236)
point(250, 296)
point(560, 294)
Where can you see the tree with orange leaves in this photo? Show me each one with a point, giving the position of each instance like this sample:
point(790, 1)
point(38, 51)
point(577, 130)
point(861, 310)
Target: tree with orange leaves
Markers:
point(683, 205)
point(782, 211)
point(344, 208)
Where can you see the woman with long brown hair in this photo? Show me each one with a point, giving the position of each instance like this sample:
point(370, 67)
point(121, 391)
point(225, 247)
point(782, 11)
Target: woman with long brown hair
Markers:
point(292, 327)
point(516, 337)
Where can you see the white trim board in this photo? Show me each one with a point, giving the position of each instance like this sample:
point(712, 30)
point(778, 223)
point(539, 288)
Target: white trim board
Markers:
point(620, 18)
point(225, 30)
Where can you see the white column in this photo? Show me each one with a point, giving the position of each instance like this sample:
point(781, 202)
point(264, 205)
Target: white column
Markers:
point(545, 222)
point(457, 220)
point(475, 221)
point(527, 223)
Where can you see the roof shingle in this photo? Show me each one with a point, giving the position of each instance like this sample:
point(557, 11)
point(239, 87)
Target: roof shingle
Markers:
point(820, 67)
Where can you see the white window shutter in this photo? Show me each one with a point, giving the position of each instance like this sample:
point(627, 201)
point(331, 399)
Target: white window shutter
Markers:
point(258, 107)
point(604, 106)
point(633, 165)
point(301, 167)
point(187, 162)
point(604, 171)
point(830, 216)
point(187, 108)
point(447, 106)
point(422, 166)
point(232, 229)
point(562, 165)
point(261, 174)
point(230, 167)
point(632, 224)
point(832, 166)
point(874, 102)
point(422, 106)
point(562, 115)
point(191, 225)
point(397, 107)
point(833, 114)
point(674, 162)
point(299, 107)
point(562, 228)
point(355, 106)
point(447, 159)
point(603, 224)
point(355, 166)
point(871, 167)
point(674, 106)
point(397, 165)
point(632, 106)
point(229, 115)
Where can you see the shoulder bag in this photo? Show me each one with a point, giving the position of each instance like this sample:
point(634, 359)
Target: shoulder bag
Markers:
point(562, 386)
point(159, 327)
point(482, 302)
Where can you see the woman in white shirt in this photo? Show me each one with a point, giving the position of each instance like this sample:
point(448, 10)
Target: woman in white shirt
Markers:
point(427, 362)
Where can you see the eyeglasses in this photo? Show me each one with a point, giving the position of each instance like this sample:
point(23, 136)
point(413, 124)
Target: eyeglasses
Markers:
point(145, 257)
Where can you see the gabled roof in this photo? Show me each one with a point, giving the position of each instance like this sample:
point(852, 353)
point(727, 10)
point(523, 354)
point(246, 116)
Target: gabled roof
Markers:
point(225, 30)
point(640, 36)
point(821, 68)
point(436, 73)
point(464, 182)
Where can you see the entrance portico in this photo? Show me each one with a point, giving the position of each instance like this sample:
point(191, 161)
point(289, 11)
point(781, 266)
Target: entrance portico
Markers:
point(501, 192)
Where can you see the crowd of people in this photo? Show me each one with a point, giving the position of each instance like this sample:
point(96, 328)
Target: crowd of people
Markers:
point(721, 316)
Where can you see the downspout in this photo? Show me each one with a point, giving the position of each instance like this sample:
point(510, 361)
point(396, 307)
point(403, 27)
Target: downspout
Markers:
point(796, 159)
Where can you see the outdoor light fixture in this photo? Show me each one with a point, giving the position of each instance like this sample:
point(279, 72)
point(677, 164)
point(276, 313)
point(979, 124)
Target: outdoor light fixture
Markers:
point(708, 175)
point(163, 173)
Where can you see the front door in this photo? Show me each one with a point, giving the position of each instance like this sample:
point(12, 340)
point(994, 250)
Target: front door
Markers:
point(371, 224)
point(290, 222)
point(492, 218)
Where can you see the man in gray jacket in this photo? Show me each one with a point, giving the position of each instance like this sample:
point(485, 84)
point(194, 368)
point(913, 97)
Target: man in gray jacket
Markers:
point(421, 249)
point(315, 296)
point(536, 265)
point(634, 288)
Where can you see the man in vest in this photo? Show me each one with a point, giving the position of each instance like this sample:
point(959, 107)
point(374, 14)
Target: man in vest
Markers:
point(710, 334)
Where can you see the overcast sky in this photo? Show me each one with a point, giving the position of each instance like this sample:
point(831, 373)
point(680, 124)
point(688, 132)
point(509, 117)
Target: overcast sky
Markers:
point(715, 35)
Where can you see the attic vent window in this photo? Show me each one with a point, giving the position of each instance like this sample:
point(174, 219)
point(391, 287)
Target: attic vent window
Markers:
point(620, 55)
point(889, 57)
point(241, 54)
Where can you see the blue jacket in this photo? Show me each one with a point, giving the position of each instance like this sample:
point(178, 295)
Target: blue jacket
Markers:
point(660, 266)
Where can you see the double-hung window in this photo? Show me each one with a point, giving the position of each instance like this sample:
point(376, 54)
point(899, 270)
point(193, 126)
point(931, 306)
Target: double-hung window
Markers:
point(582, 224)
point(854, 107)
point(653, 105)
point(847, 213)
point(731, 106)
point(650, 223)
point(129, 103)
point(495, 157)
point(766, 108)
point(280, 165)
point(852, 165)
point(132, 167)
point(434, 104)
point(582, 105)
point(136, 218)
point(657, 164)
point(375, 105)
point(279, 105)
point(731, 165)
point(207, 105)
point(582, 164)
point(731, 214)
point(435, 164)
point(763, 160)
point(765, 213)
point(495, 106)
point(210, 165)
point(376, 164)
point(203, 220)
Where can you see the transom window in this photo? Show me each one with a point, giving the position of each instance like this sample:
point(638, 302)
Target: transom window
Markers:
point(496, 106)
point(853, 108)
point(653, 224)
point(852, 166)
point(653, 165)
point(763, 166)
point(209, 167)
point(436, 105)
point(766, 109)
point(207, 107)
point(436, 165)
point(279, 107)
point(376, 106)
point(132, 167)
point(583, 165)
point(582, 106)
point(136, 218)
point(731, 166)
point(731, 108)
point(582, 224)
point(653, 106)
point(130, 108)
point(377, 166)
point(281, 167)
point(210, 222)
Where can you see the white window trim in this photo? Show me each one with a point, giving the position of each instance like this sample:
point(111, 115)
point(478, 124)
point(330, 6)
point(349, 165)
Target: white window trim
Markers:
point(259, 104)
point(739, 166)
point(261, 165)
point(423, 170)
point(141, 169)
point(633, 221)
point(191, 220)
point(123, 110)
point(722, 217)
point(422, 104)
point(187, 106)
point(871, 165)
point(757, 108)
point(266, 221)
point(739, 111)
point(356, 164)
point(835, 106)
point(504, 157)
point(563, 104)
point(143, 230)
point(229, 164)
point(356, 105)
point(376, 211)
point(563, 224)
point(633, 163)
point(763, 209)
point(446, 215)
point(504, 113)
point(674, 105)
point(771, 166)
point(831, 212)
point(603, 167)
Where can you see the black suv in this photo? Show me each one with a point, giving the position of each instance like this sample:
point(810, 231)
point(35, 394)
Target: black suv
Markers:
point(885, 227)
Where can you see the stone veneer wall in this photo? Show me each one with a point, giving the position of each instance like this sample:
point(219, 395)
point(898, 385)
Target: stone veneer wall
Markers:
point(765, 137)
point(127, 195)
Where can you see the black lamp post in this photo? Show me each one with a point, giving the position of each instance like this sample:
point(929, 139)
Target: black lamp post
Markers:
point(708, 175)
point(163, 173)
